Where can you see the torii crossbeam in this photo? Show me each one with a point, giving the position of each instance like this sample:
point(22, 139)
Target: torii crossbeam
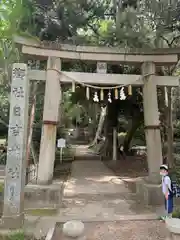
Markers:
point(104, 79)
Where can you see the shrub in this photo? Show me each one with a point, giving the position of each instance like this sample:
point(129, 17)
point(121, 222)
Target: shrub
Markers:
point(175, 172)
point(16, 236)
point(176, 213)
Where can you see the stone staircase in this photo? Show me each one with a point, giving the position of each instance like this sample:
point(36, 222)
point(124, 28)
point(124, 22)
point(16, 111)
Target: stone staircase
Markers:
point(94, 193)
point(82, 152)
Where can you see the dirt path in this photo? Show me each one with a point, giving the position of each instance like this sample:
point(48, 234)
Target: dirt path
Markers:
point(107, 207)
point(94, 193)
point(131, 230)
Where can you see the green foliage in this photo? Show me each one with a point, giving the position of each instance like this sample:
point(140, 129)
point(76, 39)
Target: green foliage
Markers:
point(42, 212)
point(3, 157)
point(175, 171)
point(74, 108)
point(140, 134)
point(135, 24)
point(176, 213)
point(1, 187)
point(16, 236)
point(10, 17)
point(177, 129)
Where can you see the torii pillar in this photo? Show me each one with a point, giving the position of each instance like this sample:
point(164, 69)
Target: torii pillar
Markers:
point(152, 124)
point(50, 121)
point(150, 187)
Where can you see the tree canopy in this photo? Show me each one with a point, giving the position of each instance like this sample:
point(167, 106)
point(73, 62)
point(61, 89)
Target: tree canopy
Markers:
point(126, 23)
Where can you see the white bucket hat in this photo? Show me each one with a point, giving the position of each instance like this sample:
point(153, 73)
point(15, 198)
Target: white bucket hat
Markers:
point(163, 166)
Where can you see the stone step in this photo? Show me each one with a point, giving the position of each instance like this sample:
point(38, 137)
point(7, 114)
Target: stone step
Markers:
point(87, 157)
point(44, 195)
point(104, 209)
point(101, 196)
point(109, 203)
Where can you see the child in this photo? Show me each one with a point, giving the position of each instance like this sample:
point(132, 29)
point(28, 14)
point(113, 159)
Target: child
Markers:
point(167, 190)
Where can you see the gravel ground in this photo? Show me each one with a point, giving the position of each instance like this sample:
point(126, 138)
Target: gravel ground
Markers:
point(130, 230)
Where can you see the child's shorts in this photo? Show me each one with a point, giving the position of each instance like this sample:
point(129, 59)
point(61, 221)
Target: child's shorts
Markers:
point(169, 205)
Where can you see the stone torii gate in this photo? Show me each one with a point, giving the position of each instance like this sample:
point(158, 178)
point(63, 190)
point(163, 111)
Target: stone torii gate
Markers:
point(54, 77)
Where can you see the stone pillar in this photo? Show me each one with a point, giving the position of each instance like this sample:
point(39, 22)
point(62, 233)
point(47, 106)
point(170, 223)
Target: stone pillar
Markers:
point(50, 121)
point(151, 119)
point(149, 189)
point(13, 212)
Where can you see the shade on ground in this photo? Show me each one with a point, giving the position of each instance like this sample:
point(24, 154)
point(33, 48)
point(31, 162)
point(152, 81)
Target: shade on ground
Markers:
point(93, 192)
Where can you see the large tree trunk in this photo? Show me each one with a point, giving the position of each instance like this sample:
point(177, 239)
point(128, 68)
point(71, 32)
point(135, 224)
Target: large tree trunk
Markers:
point(169, 128)
point(109, 141)
point(129, 136)
point(115, 143)
point(95, 116)
point(34, 154)
point(100, 125)
point(93, 113)
point(110, 124)
point(31, 121)
point(162, 116)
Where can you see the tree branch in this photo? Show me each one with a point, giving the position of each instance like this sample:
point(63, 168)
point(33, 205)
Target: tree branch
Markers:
point(93, 29)
point(170, 43)
point(3, 123)
point(166, 40)
point(174, 39)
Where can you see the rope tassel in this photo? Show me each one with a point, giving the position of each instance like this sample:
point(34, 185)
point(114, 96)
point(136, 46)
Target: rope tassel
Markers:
point(73, 86)
point(102, 95)
point(129, 90)
point(116, 93)
point(109, 97)
point(96, 99)
point(87, 93)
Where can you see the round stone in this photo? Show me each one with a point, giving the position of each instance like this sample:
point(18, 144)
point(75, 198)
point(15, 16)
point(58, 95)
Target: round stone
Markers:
point(73, 228)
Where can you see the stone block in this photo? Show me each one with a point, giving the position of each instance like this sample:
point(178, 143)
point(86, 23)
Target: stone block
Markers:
point(173, 225)
point(78, 238)
point(12, 222)
point(37, 196)
point(73, 229)
point(150, 194)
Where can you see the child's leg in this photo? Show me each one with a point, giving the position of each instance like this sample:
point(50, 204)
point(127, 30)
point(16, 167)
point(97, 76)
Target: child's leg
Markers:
point(165, 203)
point(170, 206)
point(165, 211)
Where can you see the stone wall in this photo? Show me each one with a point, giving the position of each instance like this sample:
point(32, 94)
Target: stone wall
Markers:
point(37, 196)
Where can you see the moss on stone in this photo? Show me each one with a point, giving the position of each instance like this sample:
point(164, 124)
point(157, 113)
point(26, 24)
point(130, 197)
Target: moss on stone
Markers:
point(41, 212)
point(19, 235)
point(1, 187)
